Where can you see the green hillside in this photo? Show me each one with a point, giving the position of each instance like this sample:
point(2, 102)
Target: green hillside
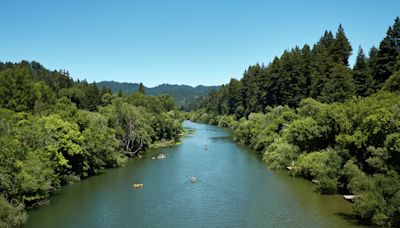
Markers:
point(184, 95)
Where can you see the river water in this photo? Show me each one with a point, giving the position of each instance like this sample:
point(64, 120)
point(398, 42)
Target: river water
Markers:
point(234, 189)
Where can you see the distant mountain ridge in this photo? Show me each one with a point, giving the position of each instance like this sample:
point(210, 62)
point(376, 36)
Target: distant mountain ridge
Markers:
point(183, 94)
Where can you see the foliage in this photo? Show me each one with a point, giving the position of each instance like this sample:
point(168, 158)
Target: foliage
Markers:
point(350, 147)
point(393, 83)
point(389, 49)
point(320, 72)
point(16, 90)
point(362, 75)
point(141, 88)
point(186, 97)
point(349, 143)
point(10, 215)
point(54, 130)
point(340, 87)
point(378, 195)
point(307, 134)
point(280, 154)
point(324, 166)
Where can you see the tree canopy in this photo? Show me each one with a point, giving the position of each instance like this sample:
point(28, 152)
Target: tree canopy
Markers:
point(309, 112)
point(54, 130)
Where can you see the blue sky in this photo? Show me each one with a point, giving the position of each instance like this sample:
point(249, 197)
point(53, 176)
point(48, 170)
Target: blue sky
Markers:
point(178, 41)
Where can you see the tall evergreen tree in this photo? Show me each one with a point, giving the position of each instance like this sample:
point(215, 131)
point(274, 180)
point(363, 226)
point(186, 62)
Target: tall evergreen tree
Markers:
point(340, 87)
point(322, 64)
point(389, 49)
point(362, 75)
point(372, 64)
point(341, 48)
point(251, 92)
point(326, 40)
point(321, 73)
point(93, 97)
point(141, 88)
point(235, 100)
point(120, 93)
point(274, 94)
point(292, 77)
point(16, 88)
point(393, 82)
point(306, 69)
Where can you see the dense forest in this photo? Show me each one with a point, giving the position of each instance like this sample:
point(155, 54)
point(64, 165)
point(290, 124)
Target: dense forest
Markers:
point(307, 111)
point(185, 96)
point(310, 112)
point(54, 130)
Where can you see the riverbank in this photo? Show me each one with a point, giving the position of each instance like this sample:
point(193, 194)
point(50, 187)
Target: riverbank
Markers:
point(164, 143)
point(344, 147)
point(231, 180)
point(168, 143)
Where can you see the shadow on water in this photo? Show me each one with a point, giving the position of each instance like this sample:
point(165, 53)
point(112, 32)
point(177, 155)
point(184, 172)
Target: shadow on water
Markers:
point(225, 138)
point(351, 218)
point(234, 189)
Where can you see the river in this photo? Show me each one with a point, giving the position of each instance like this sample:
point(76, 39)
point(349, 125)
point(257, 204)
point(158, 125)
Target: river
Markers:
point(234, 189)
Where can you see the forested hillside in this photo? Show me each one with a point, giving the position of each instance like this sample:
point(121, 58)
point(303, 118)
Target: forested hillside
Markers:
point(54, 130)
point(310, 112)
point(184, 95)
point(320, 71)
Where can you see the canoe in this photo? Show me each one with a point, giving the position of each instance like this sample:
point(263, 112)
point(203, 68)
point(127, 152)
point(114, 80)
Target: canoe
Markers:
point(161, 156)
point(349, 197)
point(136, 185)
point(193, 180)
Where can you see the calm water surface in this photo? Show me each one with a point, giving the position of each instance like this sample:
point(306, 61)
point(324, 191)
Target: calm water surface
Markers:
point(235, 189)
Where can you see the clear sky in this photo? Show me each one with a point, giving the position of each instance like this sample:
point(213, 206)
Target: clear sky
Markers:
point(178, 41)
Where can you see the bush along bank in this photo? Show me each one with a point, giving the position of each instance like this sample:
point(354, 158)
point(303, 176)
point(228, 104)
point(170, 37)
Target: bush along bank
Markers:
point(348, 148)
point(54, 130)
point(310, 112)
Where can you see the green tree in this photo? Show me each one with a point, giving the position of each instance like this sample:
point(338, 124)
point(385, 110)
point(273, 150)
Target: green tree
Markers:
point(75, 94)
point(307, 134)
point(46, 143)
point(280, 154)
point(322, 64)
point(57, 140)
point(273, 87)
point(65, 108)
point(373, 66)
point(16, 89)
point(393, 83)
point(362, 75)
point(341, 48)
point(235, 99)
point(389, 49)
point(324, 166)
point(100, 145)
point(130, 122)
point(141, 88)
point(107, 98)
point(251, 91)
point(93, 95)
point(44, 97)
point(11, 216)
point(340, 87)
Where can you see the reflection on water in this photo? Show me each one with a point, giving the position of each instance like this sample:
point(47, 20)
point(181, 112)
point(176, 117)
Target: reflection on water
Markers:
point(234, 189)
